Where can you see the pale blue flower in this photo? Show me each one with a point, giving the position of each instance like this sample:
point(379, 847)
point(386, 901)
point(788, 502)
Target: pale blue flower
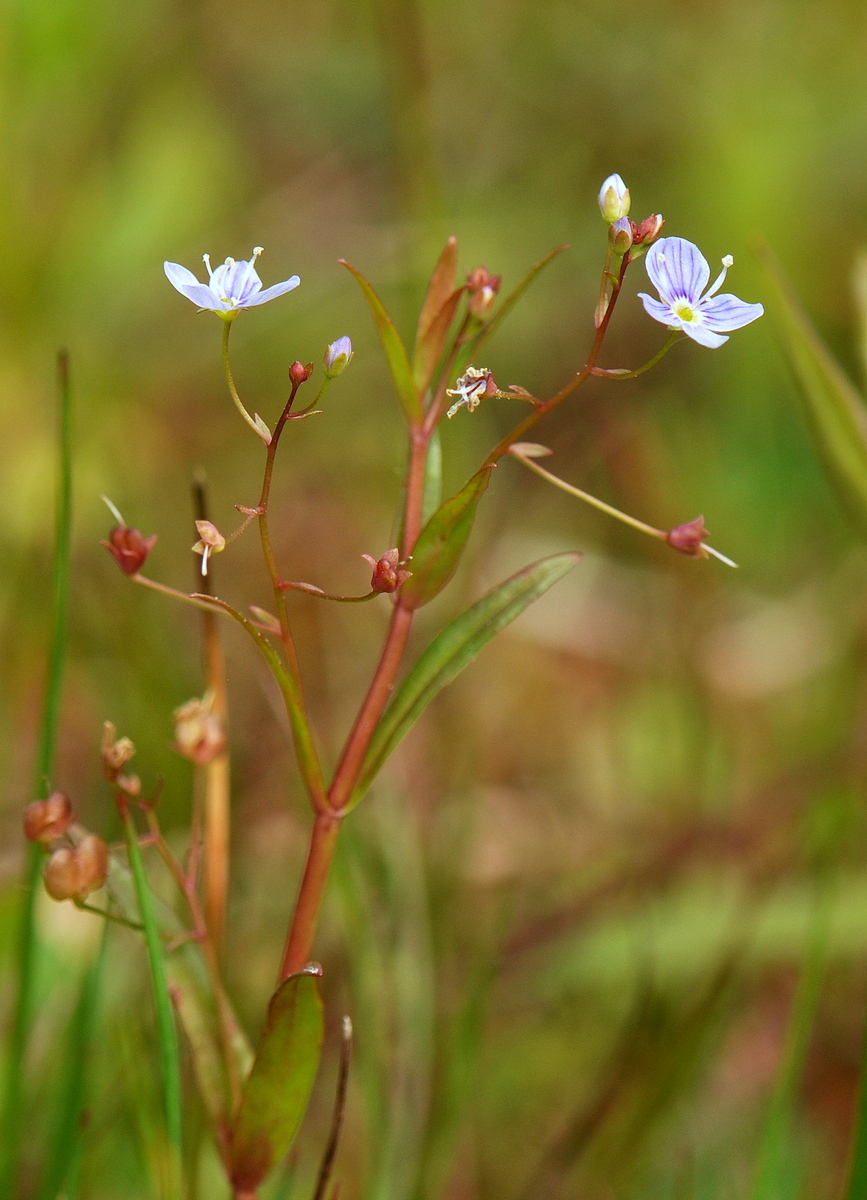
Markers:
point(337, 357)
point(231, 287)
point(679, 272)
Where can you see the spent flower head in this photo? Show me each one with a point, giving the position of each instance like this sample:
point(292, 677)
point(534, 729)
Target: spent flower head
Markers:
point(388, 573)
point(614, 199)
point(472, 387)
point(200, 733)
point(679, 272)
point(230, 287)
point(46, 820)
point(211, 541)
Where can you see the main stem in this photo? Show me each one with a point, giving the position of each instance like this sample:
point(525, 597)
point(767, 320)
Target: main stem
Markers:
point(326, 826)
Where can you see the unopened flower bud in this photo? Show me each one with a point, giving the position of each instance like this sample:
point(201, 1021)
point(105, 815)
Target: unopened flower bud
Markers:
point(614, 199)
point(128, 548)
point(199, 732)
point(483, 288)
point(648, 230)
point(299, 374)
point(72, 874)
point(620, 235)
point(688, 538)
point(388, 575)
point(116, 752)
point(46, 820)
point(337, 357)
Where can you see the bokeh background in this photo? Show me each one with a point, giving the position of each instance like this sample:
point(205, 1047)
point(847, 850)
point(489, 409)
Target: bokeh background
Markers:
point(571, 921)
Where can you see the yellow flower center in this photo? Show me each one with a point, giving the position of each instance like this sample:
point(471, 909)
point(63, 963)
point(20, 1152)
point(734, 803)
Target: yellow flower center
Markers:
point(681, 309)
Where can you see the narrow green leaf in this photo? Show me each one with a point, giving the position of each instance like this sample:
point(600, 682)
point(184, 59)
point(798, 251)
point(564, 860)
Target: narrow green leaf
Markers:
point(27, 948)
point(395, 353)
point(166, 1032)
point(441, 286)
point(432, 497)
point(430, 347)
point(475, 344)
point(454, 649)
point(279, 1086)
point(440, 544)
point(835, 408)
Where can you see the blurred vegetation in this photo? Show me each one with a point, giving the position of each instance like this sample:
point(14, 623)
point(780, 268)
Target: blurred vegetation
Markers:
point(570, 922)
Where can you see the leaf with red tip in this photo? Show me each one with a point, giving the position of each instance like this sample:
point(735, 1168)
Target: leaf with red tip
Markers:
point(278, 1088)
point(395, 352)
point(441, 286)
point(430, 346)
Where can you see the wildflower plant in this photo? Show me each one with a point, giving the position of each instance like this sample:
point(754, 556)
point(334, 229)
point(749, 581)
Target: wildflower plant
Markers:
point(255, 1099)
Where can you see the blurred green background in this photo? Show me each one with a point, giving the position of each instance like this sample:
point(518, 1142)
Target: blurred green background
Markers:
point(570, 922)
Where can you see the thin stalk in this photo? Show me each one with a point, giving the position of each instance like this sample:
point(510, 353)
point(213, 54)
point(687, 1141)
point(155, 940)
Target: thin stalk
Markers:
point(588, 499)
point(259, 430)
point(613, 373)
point(45, 751)
point(166, 1031)
point(330, 1153)
point(217, 817)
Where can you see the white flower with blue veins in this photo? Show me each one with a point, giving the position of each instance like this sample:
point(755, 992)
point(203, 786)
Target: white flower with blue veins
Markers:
point(679, 272)
point(231, 287)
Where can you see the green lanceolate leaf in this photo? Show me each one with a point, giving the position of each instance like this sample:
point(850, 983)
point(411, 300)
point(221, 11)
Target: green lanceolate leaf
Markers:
point(836, 409)
point(395, 354)
point(440, 544)
point(454, 649)
point(432, 497)
point(430, 347)
point(276, 1093)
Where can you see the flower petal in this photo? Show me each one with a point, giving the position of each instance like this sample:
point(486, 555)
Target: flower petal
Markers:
point(727, 312)
point(186, 283)
point(678, 270)
point(659, 312)
point(271, 293)
point(701, 334)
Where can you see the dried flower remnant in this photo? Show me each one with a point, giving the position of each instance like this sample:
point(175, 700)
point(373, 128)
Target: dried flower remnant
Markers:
point(129, 548)
point(230, 287)
point(116, 752)
point(200, 734)
point(211, 541)
point(46, 820)
point(614, 199)
point(73, 873)
point(337, 357)
point(680, 273)
point(472, 387)
point(388, 574)
point(648, 230)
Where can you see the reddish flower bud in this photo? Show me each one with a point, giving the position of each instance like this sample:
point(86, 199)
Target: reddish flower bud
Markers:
point(45, 820)
point(483, 288)
point(688, 538)
point(388, 575)
point(128, 548)
point(75, 873)
point(648, 230)
point(298, 373)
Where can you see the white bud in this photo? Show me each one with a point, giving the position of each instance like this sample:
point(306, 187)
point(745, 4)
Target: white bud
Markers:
point(614, 199)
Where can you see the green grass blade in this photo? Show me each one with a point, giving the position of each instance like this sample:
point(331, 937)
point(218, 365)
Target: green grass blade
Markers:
point(776, 1173)
point(835, 408)
point(454, 649)
point(65, 1148)
point(436, 554)
point(167, 1034)
point(276, 1093)
point(395, 352)
point(45, 749)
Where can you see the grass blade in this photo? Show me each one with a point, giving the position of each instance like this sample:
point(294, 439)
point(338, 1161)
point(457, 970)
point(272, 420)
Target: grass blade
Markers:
point(47, 740)
point(166, 1032)
point(454, 649)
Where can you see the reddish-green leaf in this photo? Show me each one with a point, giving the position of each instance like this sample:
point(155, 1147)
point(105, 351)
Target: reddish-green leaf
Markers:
point(441, 286)
point(395, 353)
point(440, 544)
point(276, 1093)
point(430, 346)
